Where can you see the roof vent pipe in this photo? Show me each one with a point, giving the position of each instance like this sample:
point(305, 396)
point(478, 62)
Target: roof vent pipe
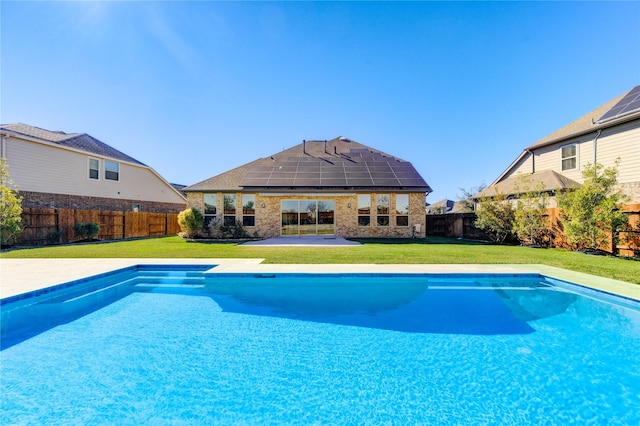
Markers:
point(325, 146)
point(304, 146)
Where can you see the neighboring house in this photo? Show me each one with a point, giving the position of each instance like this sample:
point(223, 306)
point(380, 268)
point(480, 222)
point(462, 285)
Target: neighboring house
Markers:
point(446, 206)
point(337, 187)
point(608, 133)
point(76, 171)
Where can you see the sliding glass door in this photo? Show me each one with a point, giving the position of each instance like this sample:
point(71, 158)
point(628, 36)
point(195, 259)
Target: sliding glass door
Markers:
point(308, 217)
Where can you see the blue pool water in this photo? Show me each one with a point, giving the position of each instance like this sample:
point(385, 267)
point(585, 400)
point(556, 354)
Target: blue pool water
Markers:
point(153, 345)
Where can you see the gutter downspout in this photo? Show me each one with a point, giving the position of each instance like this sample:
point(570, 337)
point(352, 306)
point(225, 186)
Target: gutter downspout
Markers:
point(3, 144)
point(533, 161)
point(595, 147)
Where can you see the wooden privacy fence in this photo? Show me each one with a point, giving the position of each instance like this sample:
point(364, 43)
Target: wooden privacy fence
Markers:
point(629, 240)
point(462, 225)
point(454, 225)
point(114, 225)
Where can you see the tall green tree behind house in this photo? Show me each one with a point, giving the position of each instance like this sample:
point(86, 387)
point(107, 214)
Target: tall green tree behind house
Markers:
point(591, 214)
point(10, 208)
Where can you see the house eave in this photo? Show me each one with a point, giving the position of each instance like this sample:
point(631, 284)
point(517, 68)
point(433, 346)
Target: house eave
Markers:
point(594, 129)
point(314, 189)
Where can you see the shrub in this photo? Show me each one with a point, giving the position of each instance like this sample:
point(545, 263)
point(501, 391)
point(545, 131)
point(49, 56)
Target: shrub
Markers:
point(54, 236)
point(190, 221)
point(10, 208)
point(591, 215)
point(530, 222)
point(86, 230)
point(495, 216)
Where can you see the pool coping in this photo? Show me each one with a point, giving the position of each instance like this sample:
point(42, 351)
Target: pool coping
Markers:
point(18, 276)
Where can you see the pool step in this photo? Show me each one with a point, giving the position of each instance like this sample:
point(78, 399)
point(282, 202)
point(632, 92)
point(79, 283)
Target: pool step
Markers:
point(124, 287)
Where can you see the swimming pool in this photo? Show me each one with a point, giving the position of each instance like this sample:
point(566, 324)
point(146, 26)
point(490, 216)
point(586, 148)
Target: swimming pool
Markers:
point(175, 345)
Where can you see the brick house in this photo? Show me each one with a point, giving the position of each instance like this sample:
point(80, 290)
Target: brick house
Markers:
point(333, 187)
point(54, 169)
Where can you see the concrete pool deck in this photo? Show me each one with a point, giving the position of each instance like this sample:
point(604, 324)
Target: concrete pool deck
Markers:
point(19, 276)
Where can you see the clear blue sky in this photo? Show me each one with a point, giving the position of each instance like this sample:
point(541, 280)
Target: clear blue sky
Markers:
point(196, 88)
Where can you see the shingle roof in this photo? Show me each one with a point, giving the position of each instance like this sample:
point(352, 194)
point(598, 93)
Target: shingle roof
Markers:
point(333, 164)
point(79, 141)
point(551, 181)
point(446, 206)
point(587, 123)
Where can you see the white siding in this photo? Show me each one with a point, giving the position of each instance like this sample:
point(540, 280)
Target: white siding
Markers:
point(620, 142)
point(550, 157)
point(524, 166)
point(623, 142)
point(43, 168)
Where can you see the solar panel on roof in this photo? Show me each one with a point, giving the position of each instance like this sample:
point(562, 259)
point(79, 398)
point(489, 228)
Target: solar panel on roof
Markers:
point(413, 182)
point(307, 182)
point(334, 182)
point(628, 104)
point(371, 169)
point(306, 175)
point(359, 182)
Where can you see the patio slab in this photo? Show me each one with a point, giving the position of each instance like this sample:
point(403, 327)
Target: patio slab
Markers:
point(305, 241)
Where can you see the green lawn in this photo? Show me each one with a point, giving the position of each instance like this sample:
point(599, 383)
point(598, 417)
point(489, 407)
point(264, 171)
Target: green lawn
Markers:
point(430, 250)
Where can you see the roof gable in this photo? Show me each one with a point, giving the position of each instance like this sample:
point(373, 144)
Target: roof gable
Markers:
point(77, 141)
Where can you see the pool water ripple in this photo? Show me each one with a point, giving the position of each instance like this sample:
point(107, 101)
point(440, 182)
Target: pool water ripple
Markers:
point(221, 356)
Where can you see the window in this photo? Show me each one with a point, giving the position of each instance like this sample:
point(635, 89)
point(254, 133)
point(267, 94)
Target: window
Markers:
point(210, 209)
point(402, 210)
point(248, 210)
point(364, 209)
point(136, 208)
point(229, 203)
point(382, 209)
point(569, 157)
point(308, 217)
point(94, 168)
point(111, 170)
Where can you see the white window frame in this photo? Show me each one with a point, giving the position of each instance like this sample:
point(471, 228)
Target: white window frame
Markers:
point(106, 165)
point(574, 157)
point(89, 160)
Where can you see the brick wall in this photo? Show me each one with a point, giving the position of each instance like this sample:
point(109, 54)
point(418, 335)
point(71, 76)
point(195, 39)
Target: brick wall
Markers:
point(268, 218)
point(42, 200)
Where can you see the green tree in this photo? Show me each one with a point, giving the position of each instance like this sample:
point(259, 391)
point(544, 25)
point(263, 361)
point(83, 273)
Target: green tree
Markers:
point(190, 221)
point(10, 208)
point(591, 215)
point(530, 222)
point(495, 216)
point(465, 198)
